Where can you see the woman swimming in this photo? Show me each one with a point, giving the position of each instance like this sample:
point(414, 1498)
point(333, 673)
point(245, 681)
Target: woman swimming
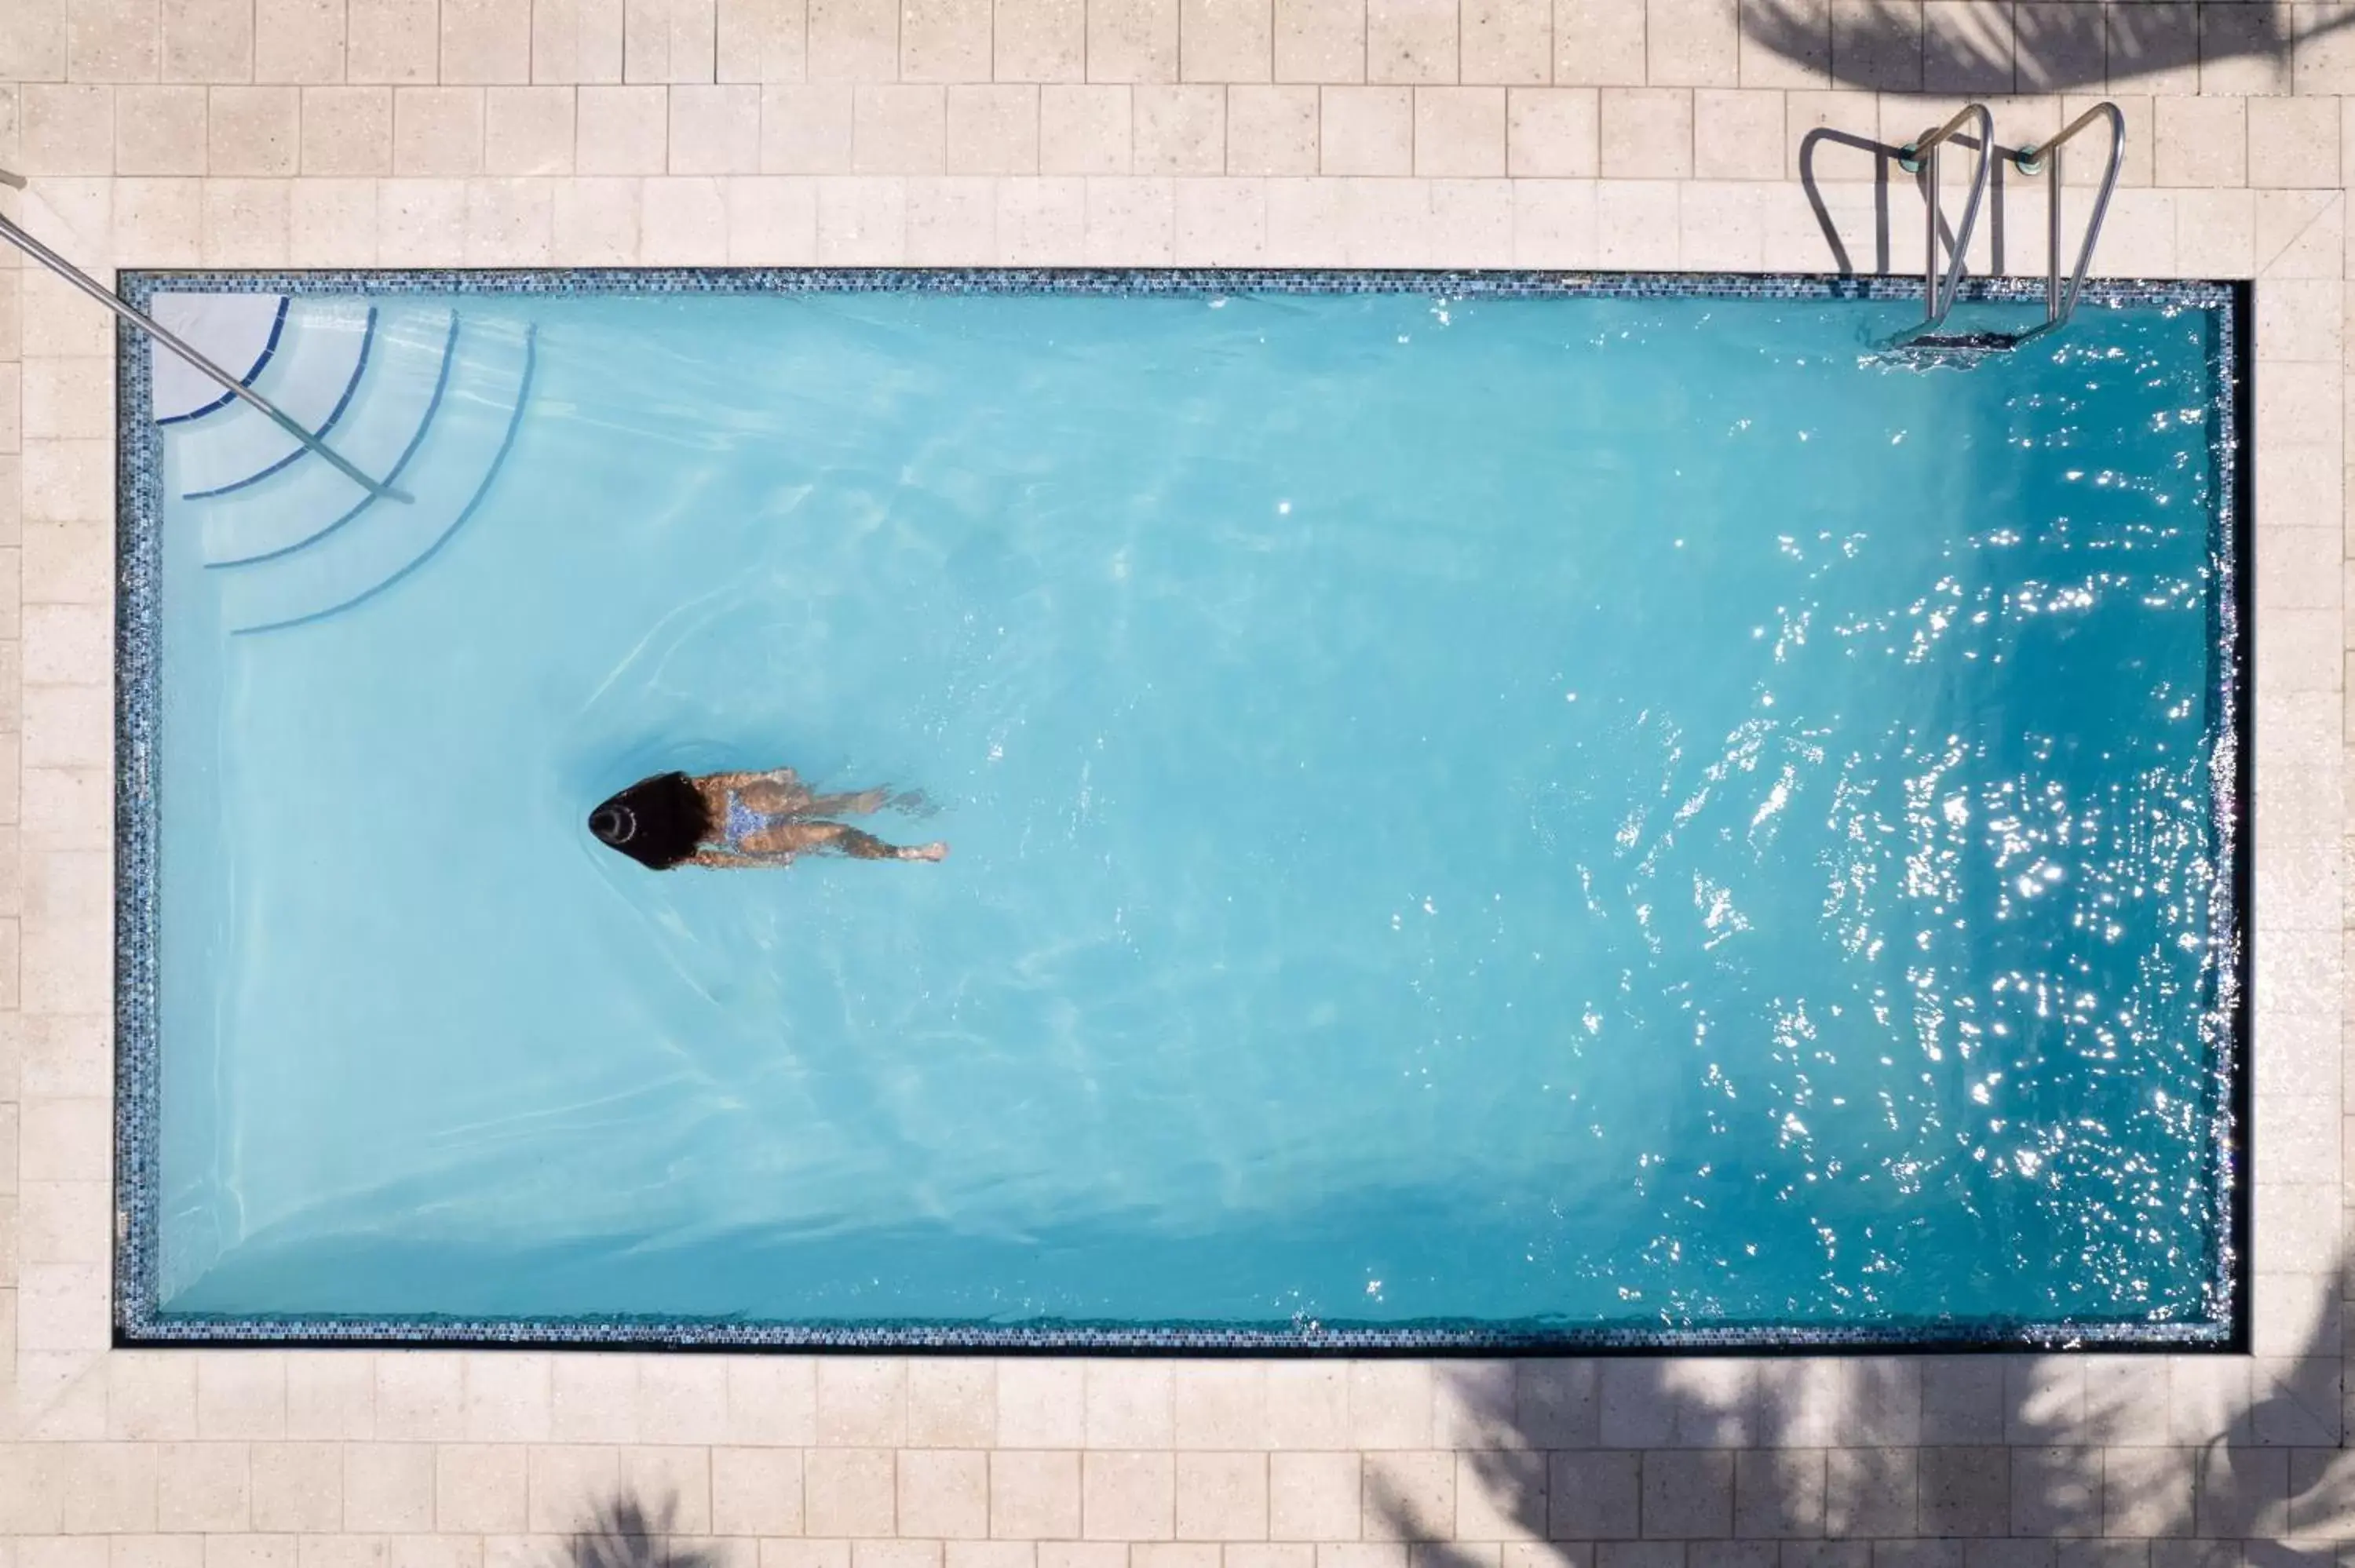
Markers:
point(740, 818)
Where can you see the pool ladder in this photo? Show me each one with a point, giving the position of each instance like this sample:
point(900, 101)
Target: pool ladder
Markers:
point(1942, 287)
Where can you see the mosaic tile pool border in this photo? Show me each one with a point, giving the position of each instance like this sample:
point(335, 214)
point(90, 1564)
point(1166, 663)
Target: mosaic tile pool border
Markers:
point(138, 1322)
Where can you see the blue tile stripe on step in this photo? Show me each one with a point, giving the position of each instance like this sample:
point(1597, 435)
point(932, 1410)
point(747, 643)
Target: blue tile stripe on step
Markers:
point(277, 325)
point(515, 423)
point(425, 423)
point(367, 336)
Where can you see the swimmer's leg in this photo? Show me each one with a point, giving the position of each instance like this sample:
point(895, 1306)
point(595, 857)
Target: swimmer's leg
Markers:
point(789, 839)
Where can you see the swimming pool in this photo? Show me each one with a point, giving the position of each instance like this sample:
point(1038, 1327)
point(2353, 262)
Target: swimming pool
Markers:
point(1487, 811)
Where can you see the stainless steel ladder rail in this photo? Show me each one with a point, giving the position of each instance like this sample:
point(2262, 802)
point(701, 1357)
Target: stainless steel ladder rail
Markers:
point(105, 296)
point(1920, 156)
point(2045, 159)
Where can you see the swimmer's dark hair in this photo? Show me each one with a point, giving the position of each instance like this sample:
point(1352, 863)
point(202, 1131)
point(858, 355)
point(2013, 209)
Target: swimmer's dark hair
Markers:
point(657, 821)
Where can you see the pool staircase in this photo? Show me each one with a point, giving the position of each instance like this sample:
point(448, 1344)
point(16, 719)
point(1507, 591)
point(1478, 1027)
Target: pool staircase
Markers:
point(412, 392)
point(1973, 126)
point(421, 406)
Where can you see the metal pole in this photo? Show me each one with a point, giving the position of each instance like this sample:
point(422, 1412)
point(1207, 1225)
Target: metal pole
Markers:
point(1930, 241)
point(2052, 242)
point(154, 329)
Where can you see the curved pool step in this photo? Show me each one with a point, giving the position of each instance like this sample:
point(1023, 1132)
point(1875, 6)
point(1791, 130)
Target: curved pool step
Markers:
point(239, 331)
point(313, 373)
point(466, 440)
point(383, 428)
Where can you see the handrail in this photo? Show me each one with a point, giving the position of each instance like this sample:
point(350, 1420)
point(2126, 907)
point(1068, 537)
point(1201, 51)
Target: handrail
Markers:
point(1920, 156)
point(156, 330)
point(2032, 161)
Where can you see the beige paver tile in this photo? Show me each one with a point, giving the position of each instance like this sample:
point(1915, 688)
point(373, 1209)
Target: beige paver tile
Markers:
point(1553, 132)
point(1693, 43)
point(1411, 41)
point(1320, 40)
point(485, 41)
point(245, 222)
point(510, 222)
point(66, 130)
point(1081, 131)
point(2241, 52)
point(2201, 142)
point(391, 41)
point(332, 223)
point(529, 130)
point(2324, 60)
point(1131, 221)
point(253, 132)
point(1506, 42)
point(993, 131)
point(480, 1488)
point(854, 41)
point(297, 1487)
point(1222, 1497)
point(1034, 1494)
point(576, 41)
point(2215, 233)
point(597, 222)
point(1738, 135)
point(330, 1395)
point(1126, 1496)
point(1459, 132)
point(2154, 49)
point(862, 1401)
point(771, 1400)
point(1040, 41)
point(112, 41)
point(1226, 40)
point(1720, 226)
point(806, 131)
point(159, 223)
point(1598, 43)
point(621, 129)
point(1313, 1497)
point(207, 40)
point(1271, 131)
point(1646, 132)
point(2294, 142)
point(437, 131)
point(945, 1492)
point(756, 1491)
point(1131, 40)
point(894, 131)
point(347, 131)
point(672, 41)
point(1409, 1495)
point(421, 1395)
point(159, 131)
point(387, 1486)
point(945, 40)
point(1177, 131)
point(564, 1483)
point(202, 1486)
point(1876, 45)
point(298, 42)
point(1966, 46)
point(862, 221)
point(761, 40)
point(715, 129)
point(1367, 130)
point(1785, 43)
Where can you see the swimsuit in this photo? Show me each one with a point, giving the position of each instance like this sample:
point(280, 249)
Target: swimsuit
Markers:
point(743, 822)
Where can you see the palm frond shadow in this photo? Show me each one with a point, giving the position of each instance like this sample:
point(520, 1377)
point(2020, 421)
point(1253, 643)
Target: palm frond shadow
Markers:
point(623, 1531)
point(2041, 48)
point(2041, 1447)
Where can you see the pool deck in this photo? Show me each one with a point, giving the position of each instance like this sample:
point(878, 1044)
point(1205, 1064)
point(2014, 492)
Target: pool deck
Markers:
point(1578, 134)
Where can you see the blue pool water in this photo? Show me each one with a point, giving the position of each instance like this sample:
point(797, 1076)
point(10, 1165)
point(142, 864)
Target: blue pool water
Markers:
point(1521, 815)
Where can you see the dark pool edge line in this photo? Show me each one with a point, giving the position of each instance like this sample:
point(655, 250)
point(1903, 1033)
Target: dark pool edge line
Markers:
point(138, 1321)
